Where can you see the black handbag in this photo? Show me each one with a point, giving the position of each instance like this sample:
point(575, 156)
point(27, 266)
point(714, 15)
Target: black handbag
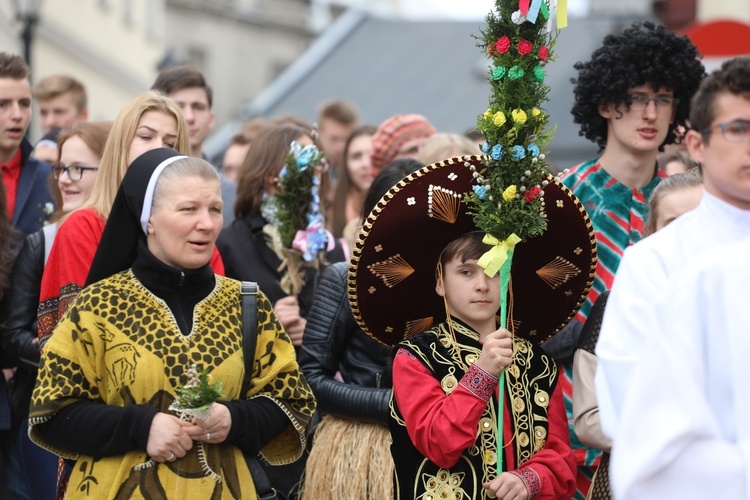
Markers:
point(249, 292)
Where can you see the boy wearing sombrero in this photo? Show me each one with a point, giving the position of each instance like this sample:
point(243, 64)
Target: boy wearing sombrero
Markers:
point(415, 283)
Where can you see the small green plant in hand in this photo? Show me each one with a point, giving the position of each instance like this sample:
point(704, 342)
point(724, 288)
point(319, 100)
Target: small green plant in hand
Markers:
point(199, 391)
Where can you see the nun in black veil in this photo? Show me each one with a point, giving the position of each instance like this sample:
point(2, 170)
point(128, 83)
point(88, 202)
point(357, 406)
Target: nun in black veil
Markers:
point(153, 309)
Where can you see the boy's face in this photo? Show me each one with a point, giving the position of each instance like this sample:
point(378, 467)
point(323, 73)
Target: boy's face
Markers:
point(15, 114)
point(60, 112)
point(193, 102)
point(333, 137)
point(472, 296)
point(643, 127)
point(725, 155)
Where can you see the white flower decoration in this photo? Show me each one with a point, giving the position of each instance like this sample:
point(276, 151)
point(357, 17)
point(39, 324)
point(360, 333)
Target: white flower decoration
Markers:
point(517, 17)
point(411, 201)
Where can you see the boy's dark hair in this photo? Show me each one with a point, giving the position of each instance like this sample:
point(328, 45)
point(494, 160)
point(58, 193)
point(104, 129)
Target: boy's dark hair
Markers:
point(343, 112)
point(466, 247)
point(13, 66)
point(182, 77)
point(733, 78)
point(643, 53)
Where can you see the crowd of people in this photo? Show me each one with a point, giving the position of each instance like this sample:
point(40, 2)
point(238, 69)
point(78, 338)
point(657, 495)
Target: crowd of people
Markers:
point(122, 252)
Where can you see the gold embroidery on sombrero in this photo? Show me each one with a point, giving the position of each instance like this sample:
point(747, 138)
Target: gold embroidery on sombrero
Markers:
point(443, 204)
point(119, 345)
point(392, 271)
point(558, 271)
point(418, 325)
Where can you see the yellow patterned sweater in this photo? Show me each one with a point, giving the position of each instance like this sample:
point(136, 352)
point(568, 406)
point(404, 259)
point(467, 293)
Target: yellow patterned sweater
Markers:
point(118, 344)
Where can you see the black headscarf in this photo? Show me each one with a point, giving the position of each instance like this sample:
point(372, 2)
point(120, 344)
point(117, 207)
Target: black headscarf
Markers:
point(118, 247)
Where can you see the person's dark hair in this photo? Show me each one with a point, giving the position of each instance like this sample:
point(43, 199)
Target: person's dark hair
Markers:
point(677, 182)
point(733, 78)
point(13, 66)
point(343, 112)
point(466, 247)
point(342, 186)
point(667, 157)
point(292, 120)
point(386, 179)
point(182, 77)
point(265, 158)
point(248, 132)
point(474, 134)
point(644, 53)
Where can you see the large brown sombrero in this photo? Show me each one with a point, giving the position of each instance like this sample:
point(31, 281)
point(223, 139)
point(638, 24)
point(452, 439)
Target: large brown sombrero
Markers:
point(392, 272)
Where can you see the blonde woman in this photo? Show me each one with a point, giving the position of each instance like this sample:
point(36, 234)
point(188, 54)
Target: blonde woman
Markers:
point(150, 120)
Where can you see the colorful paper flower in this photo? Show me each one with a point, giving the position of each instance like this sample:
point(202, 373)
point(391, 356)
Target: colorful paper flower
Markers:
point(536, 112)
point(499, 119)
point(498, 72)
point(515, 73)
point(539, 73)
point(481, 191)
point(543, 53)
point(510, 193)
point(533, 150)
point(517, 152)
point(502, 45)
point(519, 116)
point(486, 148)
point(531, 194)
point(525, 47)
point(497, 152)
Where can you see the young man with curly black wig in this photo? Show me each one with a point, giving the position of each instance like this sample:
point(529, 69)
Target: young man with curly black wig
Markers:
point(630, 98)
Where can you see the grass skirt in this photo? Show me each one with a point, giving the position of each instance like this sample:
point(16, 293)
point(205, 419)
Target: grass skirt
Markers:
point(349, 459)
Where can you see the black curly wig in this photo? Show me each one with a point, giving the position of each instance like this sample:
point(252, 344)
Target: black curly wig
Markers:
point(643, 53)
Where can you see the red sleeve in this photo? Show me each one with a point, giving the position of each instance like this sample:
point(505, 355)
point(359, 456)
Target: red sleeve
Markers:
point(68, 265)
point(551, 472)
point(441, 426)
point(217, 264)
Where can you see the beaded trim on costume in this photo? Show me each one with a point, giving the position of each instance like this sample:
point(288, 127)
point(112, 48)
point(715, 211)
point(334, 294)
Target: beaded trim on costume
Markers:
point(530, 479)
point(479, 382)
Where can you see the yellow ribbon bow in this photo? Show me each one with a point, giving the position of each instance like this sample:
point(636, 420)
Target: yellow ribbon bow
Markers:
point(494, 258)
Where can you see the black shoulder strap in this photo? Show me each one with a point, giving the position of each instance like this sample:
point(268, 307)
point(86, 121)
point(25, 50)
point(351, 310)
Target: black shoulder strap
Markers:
point(249, 293)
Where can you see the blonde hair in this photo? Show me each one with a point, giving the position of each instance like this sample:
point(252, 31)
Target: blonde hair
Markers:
point(114, 162)
point(442, 146)
point(56, 85)
point(677, 182)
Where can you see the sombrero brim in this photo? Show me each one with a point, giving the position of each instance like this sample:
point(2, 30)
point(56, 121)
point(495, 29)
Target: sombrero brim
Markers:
point(391, 281)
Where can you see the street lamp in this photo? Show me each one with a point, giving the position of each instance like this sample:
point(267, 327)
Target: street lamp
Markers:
point(27, 11)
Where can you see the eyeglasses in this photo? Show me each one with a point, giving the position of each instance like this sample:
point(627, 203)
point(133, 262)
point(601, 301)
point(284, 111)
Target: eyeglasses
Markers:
point(736, 132)
point(640, 102)
point(74, 173)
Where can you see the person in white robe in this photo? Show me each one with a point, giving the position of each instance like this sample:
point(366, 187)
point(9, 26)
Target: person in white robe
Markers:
point(687, 428)
point(720, 116)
